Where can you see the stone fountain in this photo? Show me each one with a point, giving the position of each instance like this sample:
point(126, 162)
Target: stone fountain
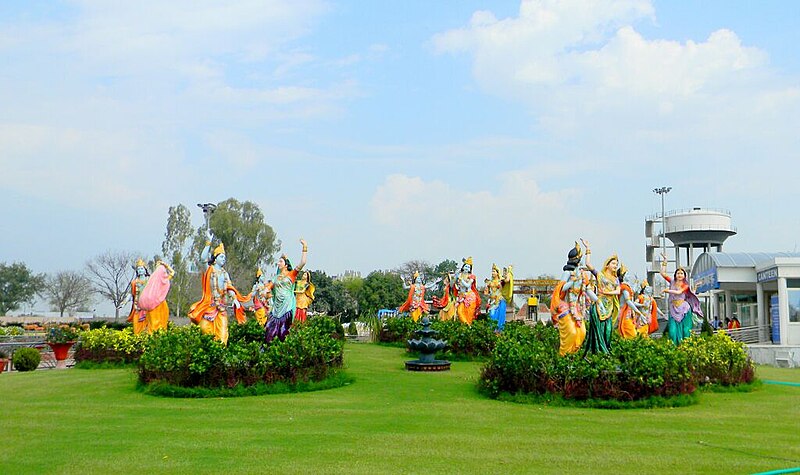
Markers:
point(427, 346)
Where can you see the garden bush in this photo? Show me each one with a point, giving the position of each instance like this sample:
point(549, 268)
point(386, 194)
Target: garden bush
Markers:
point(526, 361)
point(717, 359)
point(26, 359)
point(476, 340)
point(186, 357)
point(106, 345)
point(352, 329)
point(95, 324)
point(398, 329)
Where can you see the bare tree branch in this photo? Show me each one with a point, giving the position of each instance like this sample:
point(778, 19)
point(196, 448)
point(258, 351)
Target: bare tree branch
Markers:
point(110, 274)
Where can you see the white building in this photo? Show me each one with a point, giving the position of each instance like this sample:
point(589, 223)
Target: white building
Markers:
point(763, 290)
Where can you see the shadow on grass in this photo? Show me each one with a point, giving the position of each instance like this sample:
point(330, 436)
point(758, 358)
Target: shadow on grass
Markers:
point(680, 400)
point(336, 380)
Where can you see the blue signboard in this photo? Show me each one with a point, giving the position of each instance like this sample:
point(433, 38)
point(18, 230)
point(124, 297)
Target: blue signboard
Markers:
point(775, 316)
point(706, 280)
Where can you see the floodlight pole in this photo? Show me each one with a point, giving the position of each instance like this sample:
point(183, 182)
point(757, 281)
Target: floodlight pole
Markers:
point(663, 191)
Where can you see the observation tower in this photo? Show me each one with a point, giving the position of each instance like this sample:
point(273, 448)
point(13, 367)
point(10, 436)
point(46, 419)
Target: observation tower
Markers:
point(687, 229)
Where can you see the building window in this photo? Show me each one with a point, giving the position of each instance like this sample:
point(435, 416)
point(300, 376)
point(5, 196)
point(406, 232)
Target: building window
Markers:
point(794, 305)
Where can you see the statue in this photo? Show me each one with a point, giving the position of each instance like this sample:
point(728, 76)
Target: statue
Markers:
point(630, 317)
point(415, 303)
point(496, 302)
point(603, 313)
point(465, 289)
point(304, 295)
point(284, 303)
point(683, 304)
point(148, 315)
point(567, 304)
point(647, 304)
point(261, 297)
point(219, 296)
point(446, 304)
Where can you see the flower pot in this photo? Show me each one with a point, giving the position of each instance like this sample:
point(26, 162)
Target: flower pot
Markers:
point(61, 350)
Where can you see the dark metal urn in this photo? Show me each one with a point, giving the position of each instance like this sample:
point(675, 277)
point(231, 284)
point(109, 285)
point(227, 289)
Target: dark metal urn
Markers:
point(427, 347)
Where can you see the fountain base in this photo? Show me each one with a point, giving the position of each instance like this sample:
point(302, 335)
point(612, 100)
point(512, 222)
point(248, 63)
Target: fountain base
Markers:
point(435, 365)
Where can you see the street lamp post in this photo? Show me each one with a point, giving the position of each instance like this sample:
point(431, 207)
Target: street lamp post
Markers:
point(663, 191)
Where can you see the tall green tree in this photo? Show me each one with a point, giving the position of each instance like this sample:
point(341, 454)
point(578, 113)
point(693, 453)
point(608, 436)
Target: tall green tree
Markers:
point(110, 275)
point(332, 297)
point(18, 285)
point(177, 251)
point(67, 290)
point(249, 241)
point(381, 290)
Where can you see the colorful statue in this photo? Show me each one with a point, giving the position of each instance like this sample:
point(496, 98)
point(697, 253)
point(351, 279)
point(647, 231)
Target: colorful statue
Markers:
point(683, 304)
point(415, 303)
point(261, 297)
point(568, 301)
point(495, 301)
point(446, 304)
point(630, 317)
point(508, 284)
point(219, 295)
point(465, 289)
point(304, 295)
point(284, 302)
point(647, 304)
point(603, 314)
point(150, 315)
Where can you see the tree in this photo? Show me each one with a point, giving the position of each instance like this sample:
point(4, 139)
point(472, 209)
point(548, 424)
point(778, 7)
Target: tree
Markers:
point(249, 241)
point(447, 266)
point(18, 285)
point(407, 270)
point(178, 253)
point(110, 276)
point(332, 297)
point(67, 290)
point(381, 290)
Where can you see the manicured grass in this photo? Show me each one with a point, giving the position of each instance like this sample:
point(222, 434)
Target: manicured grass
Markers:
point(387, 421)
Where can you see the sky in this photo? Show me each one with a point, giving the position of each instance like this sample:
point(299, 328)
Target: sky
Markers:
point(388, 131)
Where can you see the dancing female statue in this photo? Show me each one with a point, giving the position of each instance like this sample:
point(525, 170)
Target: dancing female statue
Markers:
point(647, 304)
point(465, 289)
point(630, 317)
point(304, 295)
point(683, 304)
point(415, 303)
point(284, 303)
point(147, 318)
point(446, 304)
point(261, 296)
point(495, 302)
point(603, 314)
point(219, 296)
point(567, 302)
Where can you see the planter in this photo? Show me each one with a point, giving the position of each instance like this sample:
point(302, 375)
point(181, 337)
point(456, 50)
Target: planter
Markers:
point(61, 350)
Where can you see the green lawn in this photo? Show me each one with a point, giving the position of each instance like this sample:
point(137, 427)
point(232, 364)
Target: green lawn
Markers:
point(388, 421)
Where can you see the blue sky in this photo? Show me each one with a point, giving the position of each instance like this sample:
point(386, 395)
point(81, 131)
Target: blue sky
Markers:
point(388, 131)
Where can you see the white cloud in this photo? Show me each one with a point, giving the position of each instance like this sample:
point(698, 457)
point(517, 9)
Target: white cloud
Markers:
point(511, 221)
point(636, 104)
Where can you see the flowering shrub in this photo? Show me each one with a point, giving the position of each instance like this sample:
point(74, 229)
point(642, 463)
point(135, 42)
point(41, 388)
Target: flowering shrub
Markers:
point(718, 359)
point(11, 331)
point(105, 345)
point(186, 357)
point(62, 333)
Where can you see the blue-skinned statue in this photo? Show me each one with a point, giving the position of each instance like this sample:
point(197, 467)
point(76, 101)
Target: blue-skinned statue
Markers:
point(220, 297)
